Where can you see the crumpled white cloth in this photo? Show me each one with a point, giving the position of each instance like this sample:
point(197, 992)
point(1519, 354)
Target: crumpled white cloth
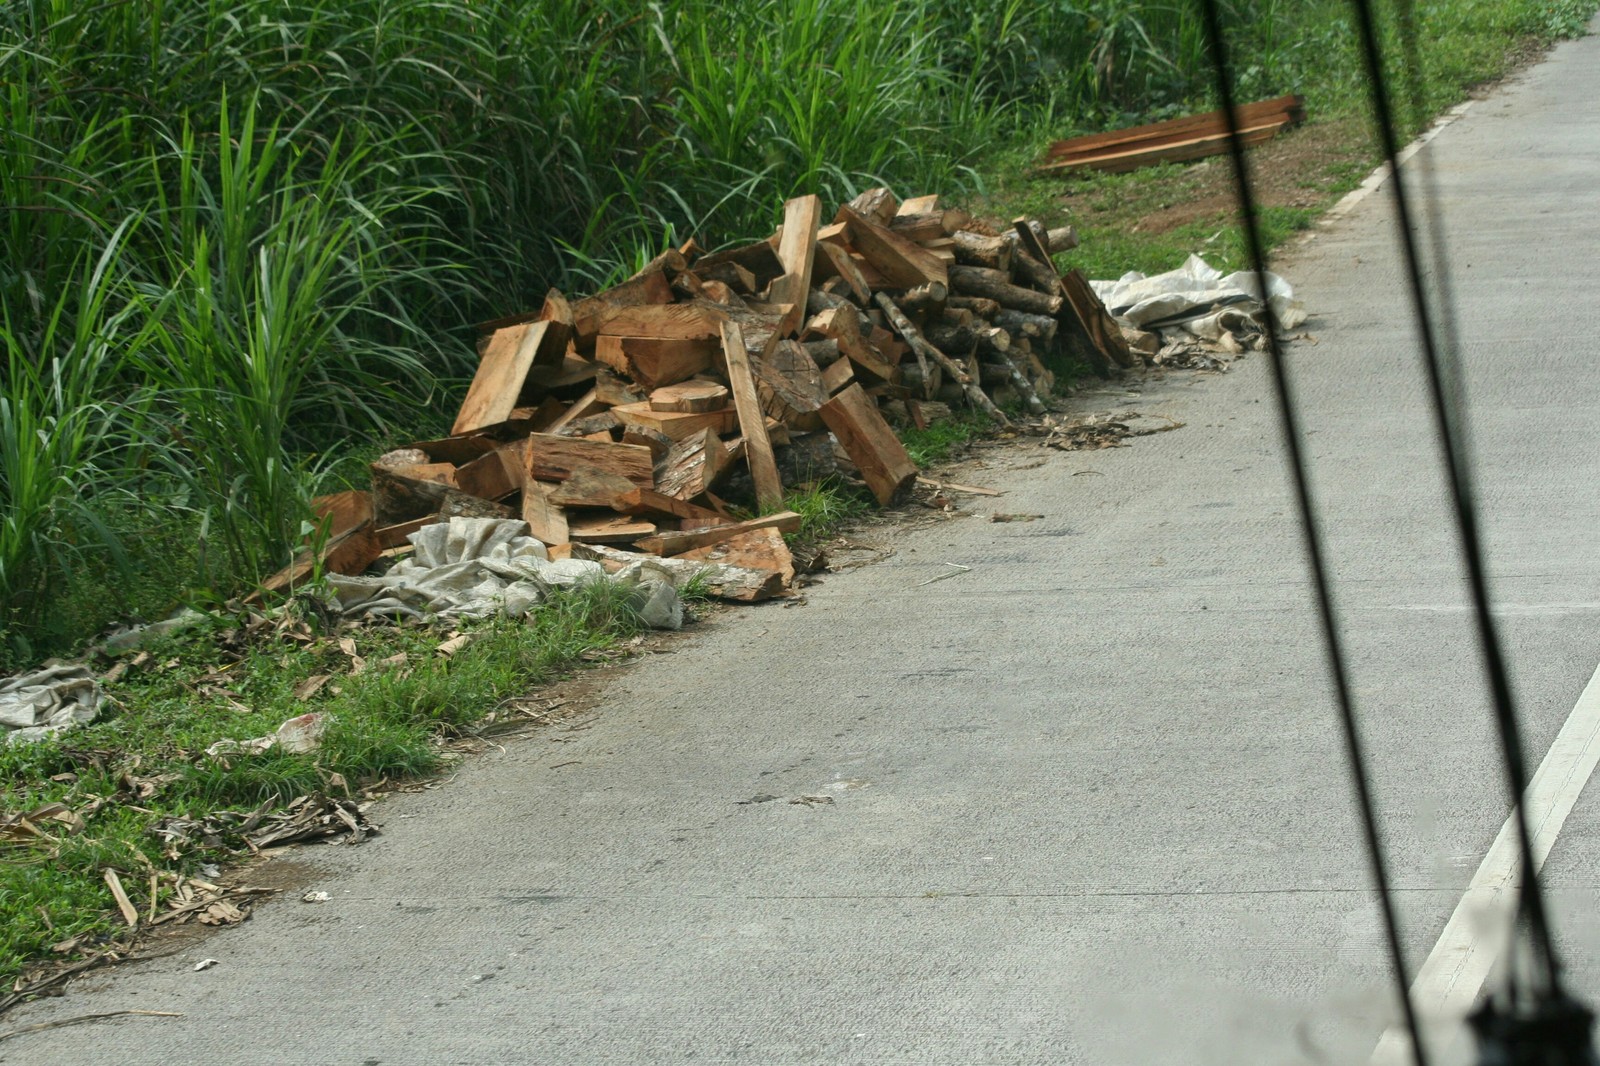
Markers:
point(480, 567)
point(1197, 299)
point(52, 699)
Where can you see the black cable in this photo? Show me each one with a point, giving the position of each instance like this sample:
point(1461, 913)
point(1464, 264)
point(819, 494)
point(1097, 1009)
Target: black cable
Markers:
point(1531, 897)
point(1290, 421)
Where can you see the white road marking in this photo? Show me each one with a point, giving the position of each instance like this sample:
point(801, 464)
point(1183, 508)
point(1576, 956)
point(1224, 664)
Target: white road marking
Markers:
point(1447, 986)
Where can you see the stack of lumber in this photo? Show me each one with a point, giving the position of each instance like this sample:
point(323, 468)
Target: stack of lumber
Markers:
point(1173, 141)
point(616, 424)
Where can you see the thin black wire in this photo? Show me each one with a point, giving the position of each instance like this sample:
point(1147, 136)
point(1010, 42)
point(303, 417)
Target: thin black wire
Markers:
point(1290, 421)
point(1531, 896)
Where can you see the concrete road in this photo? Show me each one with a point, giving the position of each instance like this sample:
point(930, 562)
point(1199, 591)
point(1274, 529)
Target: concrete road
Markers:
point(1083, 803)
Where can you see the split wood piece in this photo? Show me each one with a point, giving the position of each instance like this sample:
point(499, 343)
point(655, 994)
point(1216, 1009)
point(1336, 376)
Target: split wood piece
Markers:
point(1022, 324)
point(691, 250)
point(584, 406)
point(498, 382)
point(544, 416)
point(653, 362)
point(460, 505)
point(721, 579)
point(1041, 277)
point(1173, 139)
point(590, 315)
point(676, 425)
point(981, 306)
point(719, 293)
point(557, 312)
point(838, 261)
point(752, 423)
point(546, 519)
point(493, 476)
point(692, 466)
point(595, 426)
point(824, 352)
point(670, 262)
point(555, 458)
point(877, 204)
point(920, 227)
point(978, 281)
point(684, 321)
point(837, 376)
point(607, 529)
point(903, 263)
point(870, 443)
point(1061, 239)
point(759, 259)
point(976, 249)
point(574, 372)
point(1096, 320)
point(668, 544)
point(758, 550)
point(917, 205)
point(790, 386)
point(590, 487)
point(458, 450)
point(342, 511)
point(649, 501)
point(923, 298)
point(689, 397)
point(406, 492)
point(611, 389)
point(925, 351)
point(982, 337)
point(349, 553)
point(737, 277)
point(658, 443)
point(797, 250)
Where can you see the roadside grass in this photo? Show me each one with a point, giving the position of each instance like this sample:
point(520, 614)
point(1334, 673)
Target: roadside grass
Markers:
point(943, 439)
point(144, 759)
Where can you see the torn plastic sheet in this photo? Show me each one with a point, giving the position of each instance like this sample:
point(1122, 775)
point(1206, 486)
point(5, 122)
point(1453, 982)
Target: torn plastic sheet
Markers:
point(52, 699)
point(481, 567)
point(1198, 299)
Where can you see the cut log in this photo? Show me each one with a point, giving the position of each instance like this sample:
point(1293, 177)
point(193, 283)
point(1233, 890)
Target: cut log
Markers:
point(460, 505)
point(1061, 239)
point(400, 494)
point(870, 443)
point(607, 529)
point(902, 263)
point(604, 424)
point(982, 338)
point(922, 298)
point(978, 281)
point(692, 466)
point(555, 458)
point(500, 376)
point(676, 425)
point(920, 227)
point(668, 544)
point(689, 397)
point(545, 518)
point(590, 487)
point(926, 353)
point(981, 306)
point(1041, 277)
point(653, 363)
point(824, 352)
point(917, 205)
point(752, 423)
point(976, 249)
point(790, 386)
point(1022, 324)
point(737, 277)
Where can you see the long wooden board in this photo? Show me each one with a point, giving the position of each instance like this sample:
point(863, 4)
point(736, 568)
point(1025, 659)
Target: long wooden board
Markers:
point(501, 372)
point(752, 420)
point(1170, 152)
point(1178, 129)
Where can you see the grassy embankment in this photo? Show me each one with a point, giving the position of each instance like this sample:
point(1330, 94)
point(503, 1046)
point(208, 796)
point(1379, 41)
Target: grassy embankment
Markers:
point(240, 245)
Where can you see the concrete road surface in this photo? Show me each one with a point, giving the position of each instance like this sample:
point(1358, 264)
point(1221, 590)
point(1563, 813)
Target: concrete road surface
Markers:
point(1082, 803)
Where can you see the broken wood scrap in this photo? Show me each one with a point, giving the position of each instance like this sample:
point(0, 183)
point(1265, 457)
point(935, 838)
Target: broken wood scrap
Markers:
point(692, 466)
point(676, 425)
point(720, 577)
point(752, 421)
point(652, 362)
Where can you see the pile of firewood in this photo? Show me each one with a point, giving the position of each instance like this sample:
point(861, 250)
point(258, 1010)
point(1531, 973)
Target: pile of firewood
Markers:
point(616, 424)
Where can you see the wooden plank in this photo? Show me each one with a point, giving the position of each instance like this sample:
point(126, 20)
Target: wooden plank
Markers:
point(649, 501)
point(837, 376)
point(797, 252)
point(653, 362)
point(872, 446)
point(1175, 152)
point(551, 458)
point(607, 529)
point(546, 520)
point(903, 264)
point(917, 205)
point(1292, 106)
point(493, 476)
point(676, 425)
point(677, 543)
point(342, 511)
point(752, 421)
point(692, 466)
point(500, 376)
point(689, 396)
